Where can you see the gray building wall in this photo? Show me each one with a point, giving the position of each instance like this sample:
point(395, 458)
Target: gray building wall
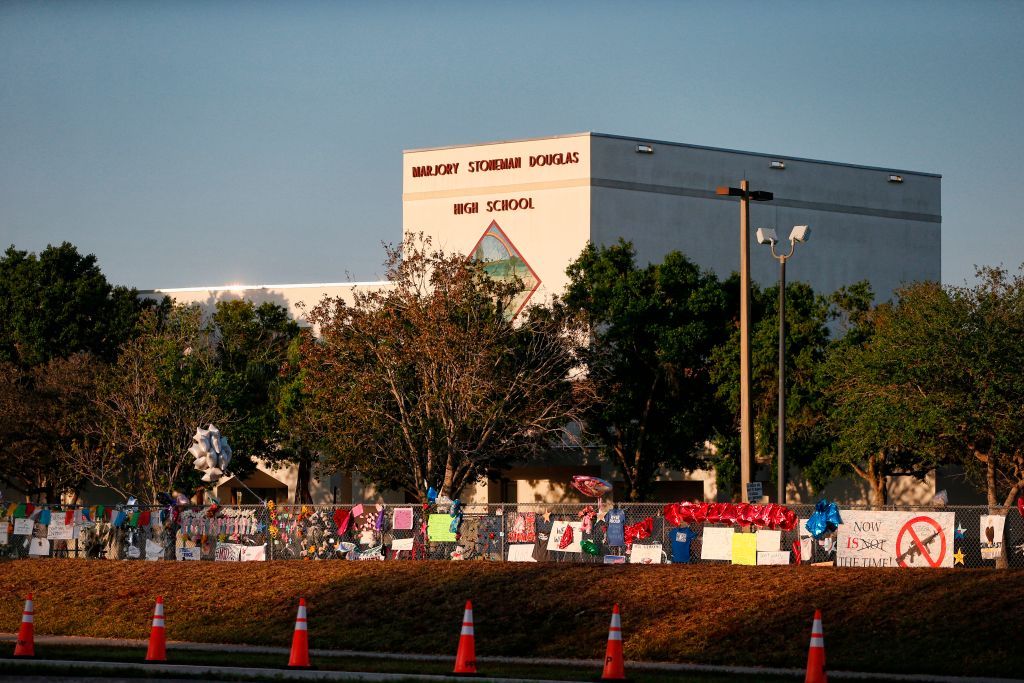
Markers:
point(862, 225)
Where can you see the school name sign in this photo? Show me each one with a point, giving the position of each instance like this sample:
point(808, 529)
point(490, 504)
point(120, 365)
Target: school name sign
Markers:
point(895, 539)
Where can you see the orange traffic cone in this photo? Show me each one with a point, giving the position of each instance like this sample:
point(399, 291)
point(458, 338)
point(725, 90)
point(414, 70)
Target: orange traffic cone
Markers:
point(157, 651)
point(26, 645)
point(816, 655)
point(465, 658)
point(614, 666)
point(300, 640)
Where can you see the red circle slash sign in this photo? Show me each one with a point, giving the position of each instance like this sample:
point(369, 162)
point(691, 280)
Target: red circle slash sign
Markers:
point(908, 528)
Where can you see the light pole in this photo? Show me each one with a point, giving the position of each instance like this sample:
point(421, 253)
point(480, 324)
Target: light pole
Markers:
point(746, 400)
point(800, 233)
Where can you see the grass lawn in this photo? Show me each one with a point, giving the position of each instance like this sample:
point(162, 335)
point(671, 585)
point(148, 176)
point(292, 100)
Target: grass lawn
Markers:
point(892, 620)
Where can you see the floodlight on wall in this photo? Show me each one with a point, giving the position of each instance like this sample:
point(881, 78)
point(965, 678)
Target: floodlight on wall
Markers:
point(800, 233)
point(644, 149)
point(893, 178)
point(777, 164)
point(767, 236)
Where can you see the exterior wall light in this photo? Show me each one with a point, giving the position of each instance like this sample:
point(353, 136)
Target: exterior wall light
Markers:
point(893, 178)
point(644, 149)
point(777, 164)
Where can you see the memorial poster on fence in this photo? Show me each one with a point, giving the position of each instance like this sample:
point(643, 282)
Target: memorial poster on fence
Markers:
point(991, 534)
point(253, 553)
point(227, 552)
point(895, 539)
point(57, 530)
point(717, 543)
point(566, 537)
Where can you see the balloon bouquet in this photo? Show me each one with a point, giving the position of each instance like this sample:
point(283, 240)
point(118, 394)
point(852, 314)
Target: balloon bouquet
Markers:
point(211, 452)
point(592, 487)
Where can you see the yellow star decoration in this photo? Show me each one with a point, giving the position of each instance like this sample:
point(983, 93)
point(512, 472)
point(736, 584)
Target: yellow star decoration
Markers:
point(958, 557)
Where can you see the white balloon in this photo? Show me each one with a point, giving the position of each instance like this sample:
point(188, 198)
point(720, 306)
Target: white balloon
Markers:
point(197, 451)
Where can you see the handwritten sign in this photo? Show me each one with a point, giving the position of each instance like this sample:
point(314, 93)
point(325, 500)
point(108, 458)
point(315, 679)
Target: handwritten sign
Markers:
point(647, 553)
point(58, 530)
point(439, 529)
point(773, 557)
point(755, 491)
point(558, 530)
point(23, 526)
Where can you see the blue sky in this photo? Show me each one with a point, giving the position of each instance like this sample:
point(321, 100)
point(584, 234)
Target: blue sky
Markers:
point(190, 143)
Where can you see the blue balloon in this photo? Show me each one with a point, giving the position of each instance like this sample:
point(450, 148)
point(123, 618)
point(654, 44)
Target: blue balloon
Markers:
point(431, 495)
point(824, 519)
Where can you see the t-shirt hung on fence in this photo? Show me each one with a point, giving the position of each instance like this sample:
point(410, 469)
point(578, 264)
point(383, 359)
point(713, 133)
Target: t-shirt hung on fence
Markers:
point(681, 539)
point(616, 520)
point(895, 539)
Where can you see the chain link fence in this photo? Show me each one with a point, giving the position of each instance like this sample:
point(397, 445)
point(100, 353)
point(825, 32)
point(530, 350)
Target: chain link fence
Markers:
point(948, 536)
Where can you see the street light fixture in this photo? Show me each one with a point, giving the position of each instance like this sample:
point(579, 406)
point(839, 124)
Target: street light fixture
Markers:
point(800, 233)
point(746, 400)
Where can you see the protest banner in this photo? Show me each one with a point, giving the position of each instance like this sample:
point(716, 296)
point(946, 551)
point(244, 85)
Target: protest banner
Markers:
point(895, 539)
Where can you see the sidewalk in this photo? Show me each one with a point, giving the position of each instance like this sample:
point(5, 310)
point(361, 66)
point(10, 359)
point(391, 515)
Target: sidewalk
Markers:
point(579, 663)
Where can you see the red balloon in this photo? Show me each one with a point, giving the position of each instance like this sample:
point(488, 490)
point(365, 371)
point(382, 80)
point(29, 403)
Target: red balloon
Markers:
point(770, 516)
point(592, 487)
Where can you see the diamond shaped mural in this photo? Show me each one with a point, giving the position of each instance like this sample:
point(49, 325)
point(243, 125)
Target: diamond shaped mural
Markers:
point(502, 261)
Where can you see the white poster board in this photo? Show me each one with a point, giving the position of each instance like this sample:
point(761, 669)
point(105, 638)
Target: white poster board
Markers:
point(645, 553)
point(768, 540)
point(521, 552)
point(58, 530)
point(254, 553)
point(402, 544)
point(3, 533)
point(717, 543)
point(773, 557)
point(895, 539)
point(990, 531)
point(188, 554)
point(154, 551)
point(39, 547)
point(23, 526)
point(558, 530)
point(227, 552)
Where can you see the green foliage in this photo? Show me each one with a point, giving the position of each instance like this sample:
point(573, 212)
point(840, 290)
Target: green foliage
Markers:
point(59, 303)
point(807, 340)
point(251, 346)
point(427, 383)
point(652, 330)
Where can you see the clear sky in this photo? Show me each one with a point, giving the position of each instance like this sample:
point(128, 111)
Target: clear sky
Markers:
point(202, 142)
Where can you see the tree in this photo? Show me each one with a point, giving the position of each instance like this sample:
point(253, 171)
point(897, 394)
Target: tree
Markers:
point(948, 361)
point(651, 331)
point(428, 383)
point(807, 339)
point(59, 303)
point(295, 419)
point(250, 345)
point(148, 404)
point(42, 413)
point(875, 433)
